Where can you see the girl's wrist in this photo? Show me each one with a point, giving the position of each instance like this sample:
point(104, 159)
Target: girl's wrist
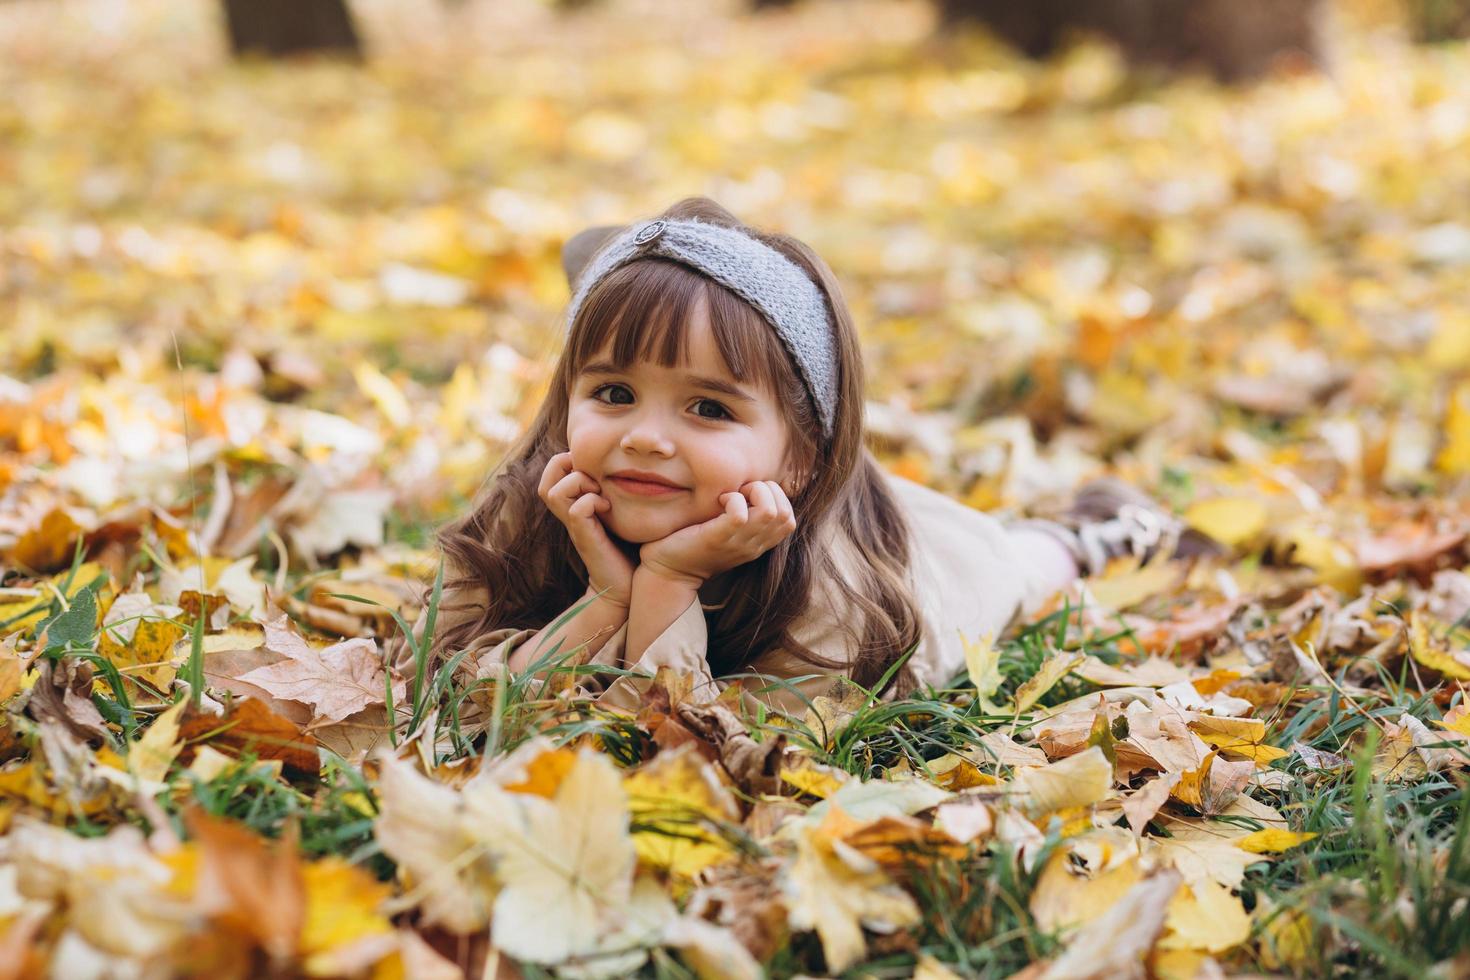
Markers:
point(607, 598)
point(666, 574)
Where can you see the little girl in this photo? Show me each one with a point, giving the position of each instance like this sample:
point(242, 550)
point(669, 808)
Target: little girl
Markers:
point(697, 488)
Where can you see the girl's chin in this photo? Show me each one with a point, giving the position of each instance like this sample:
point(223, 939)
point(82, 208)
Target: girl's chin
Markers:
point(639, 533)
point(643, 531)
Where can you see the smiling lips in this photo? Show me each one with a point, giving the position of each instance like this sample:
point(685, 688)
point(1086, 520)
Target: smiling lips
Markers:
point(643, 484)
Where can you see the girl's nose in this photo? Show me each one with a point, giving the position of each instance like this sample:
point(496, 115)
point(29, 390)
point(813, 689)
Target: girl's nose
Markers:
point(647, 437)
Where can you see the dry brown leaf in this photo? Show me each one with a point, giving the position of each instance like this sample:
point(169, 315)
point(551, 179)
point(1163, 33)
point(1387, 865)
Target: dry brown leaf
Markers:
point(1140, 806)
point(337, 681)
point(250, 726)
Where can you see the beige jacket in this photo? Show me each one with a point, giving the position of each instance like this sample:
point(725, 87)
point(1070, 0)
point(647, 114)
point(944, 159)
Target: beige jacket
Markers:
point(969, 577)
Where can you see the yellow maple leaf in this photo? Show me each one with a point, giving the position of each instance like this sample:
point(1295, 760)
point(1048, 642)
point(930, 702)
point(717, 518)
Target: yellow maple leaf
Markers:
point(835, 890)
point(11, 674)
point(1454, 453)
point(1397, 758)
point(1066, 896)
point(1457, 719)
point(343, 912)
point(150, 756)
point(1126, 582)
point(982, 661)
point(1432, 653)
point(1053, 669)
point(1116, 941)
point(673, 801)
point(956, 772)
point(1204, 915)
point(1238, 736)
point(544, 773)
point(1286, 936)
point(1270, 840)
point(1077, 781)
point(549, 911)
point(553, 877)
point(1232, 521)
point(810, 777)
point(421, 826)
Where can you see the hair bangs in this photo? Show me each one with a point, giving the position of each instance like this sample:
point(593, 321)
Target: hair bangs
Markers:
point(641, 312)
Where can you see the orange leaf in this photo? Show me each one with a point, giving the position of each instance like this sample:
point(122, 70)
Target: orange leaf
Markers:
point(252, 886)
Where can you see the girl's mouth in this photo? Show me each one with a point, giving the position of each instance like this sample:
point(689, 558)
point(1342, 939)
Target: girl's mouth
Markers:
point(643, 488)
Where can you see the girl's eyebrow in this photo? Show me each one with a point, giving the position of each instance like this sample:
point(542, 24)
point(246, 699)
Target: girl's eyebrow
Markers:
point(698, 381)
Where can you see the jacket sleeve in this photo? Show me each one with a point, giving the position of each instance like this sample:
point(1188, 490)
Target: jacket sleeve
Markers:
point(683, 647)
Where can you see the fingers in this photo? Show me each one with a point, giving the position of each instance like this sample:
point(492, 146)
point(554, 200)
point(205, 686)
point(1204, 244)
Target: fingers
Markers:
point(571, 494)
point(758, 516)
point(557, 467)
point(560, 490)
point(735, 507)
point(784, 509)
point(770, 505)
point(573, 485)
point(763, 505)
point(588, 505)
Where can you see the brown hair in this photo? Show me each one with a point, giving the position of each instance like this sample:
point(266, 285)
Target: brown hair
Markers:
point(513, 546)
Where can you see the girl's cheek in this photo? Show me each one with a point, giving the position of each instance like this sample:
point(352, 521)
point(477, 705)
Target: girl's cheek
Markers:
point(577, 445)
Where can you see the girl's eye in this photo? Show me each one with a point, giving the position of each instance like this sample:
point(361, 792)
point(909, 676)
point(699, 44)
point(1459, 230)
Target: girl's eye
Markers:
point(613, 388)
point(720, 412)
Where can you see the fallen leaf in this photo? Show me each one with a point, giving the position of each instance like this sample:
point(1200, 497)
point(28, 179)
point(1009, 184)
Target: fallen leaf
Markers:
point(1127, 584)
point(880, 798)
point(1397, 758)
point(1078, 780)
point(250, 885)
point(1245, 737)
point(1068, 895)
point(549, 913)
point(982, 662)
point(1140, 806)
point(1433, 652)
point(964, 821)
point(1058, 665)
point(343, 923)
point(1205, 916)
point(838, 895)
point(1457, 719)
point(1117, 943)
point(1232, 521)
point(814, 779)
point(675, 802)
point(1270, 840)
point(423, 827)
point(900, 842)
point(250, 726)
point(338, 680)
point(1214, 784)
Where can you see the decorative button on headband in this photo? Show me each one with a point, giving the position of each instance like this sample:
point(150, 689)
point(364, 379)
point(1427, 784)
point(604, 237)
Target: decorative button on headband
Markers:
point(754, 271)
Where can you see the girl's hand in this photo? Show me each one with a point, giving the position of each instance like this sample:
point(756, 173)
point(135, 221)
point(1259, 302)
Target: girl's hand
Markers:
point(575, 498)
point(756, 519)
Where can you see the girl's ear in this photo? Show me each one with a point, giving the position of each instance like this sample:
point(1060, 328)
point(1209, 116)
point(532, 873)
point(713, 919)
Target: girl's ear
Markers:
point(580, 248)
point(791, 484)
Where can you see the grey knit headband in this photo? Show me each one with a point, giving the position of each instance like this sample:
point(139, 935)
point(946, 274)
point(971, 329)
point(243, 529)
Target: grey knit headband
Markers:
point(755, 272)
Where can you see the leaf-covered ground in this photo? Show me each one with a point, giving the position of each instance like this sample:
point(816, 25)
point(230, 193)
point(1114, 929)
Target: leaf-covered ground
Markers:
point(264, 326)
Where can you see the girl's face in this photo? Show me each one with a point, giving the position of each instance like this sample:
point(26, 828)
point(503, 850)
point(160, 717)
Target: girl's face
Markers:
point(693, 425)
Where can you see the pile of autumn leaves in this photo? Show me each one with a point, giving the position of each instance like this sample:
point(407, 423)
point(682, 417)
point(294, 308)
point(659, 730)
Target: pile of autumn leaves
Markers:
point(720, 848)
point(1138, 807)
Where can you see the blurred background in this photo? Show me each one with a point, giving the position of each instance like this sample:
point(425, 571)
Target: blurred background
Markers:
point(306, 253)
